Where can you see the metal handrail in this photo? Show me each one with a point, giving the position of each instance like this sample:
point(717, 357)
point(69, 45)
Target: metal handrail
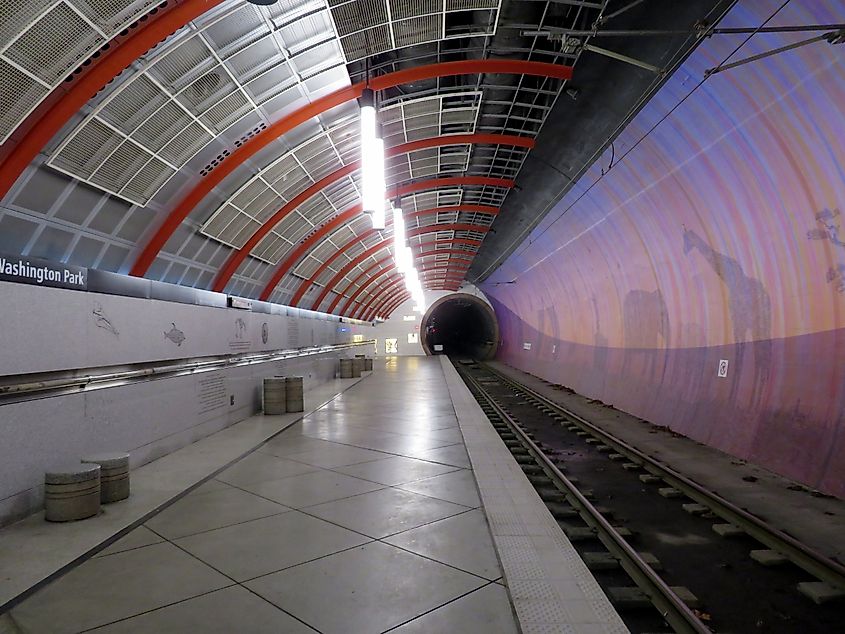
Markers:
point(92, 380)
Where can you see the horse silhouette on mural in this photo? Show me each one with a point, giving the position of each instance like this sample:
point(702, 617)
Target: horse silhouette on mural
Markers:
point(645, 323)
point(750, 310)
point(645, 319)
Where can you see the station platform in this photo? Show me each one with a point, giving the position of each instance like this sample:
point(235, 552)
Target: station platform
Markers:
point(390, 506)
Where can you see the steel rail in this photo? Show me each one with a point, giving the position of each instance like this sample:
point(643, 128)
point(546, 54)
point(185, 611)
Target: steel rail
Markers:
point(808, 559)
point(679, 616)
point(108, 379)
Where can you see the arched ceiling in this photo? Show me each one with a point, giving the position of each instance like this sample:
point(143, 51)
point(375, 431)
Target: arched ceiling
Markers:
point(214, 143)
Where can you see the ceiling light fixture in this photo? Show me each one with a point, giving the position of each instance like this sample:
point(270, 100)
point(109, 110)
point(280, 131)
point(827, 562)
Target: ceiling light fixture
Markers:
point(373, 186)
point(404, 258)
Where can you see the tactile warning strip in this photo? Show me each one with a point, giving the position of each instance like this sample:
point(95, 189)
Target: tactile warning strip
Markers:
point(551, 588)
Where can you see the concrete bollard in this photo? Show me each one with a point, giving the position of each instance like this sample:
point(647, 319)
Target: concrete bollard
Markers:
point(357, 367)
point(295, 394)
point(275, 395)
point(114, 475)
point(346, 368)
point(368, 364)
point(71, 492)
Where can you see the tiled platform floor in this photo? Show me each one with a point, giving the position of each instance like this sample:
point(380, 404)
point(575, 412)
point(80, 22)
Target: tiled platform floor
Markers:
point(363, 517)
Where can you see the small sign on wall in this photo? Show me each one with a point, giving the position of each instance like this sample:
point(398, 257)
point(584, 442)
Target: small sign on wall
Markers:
point(413, 337)
point(723, 368)
point(526, 346)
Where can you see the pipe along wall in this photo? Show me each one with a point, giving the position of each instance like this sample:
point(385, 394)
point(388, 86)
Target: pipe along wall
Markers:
point(698, 280)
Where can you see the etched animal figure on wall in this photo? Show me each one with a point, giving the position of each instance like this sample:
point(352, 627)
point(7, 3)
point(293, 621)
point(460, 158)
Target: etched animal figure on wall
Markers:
point(175, 335)
point(102, 321)
point(240, 328)
point(749, 306)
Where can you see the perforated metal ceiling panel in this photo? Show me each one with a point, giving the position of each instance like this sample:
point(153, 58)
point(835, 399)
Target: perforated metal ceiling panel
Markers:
point(237, 218)
point(239, 68)
point(43, 41)
point(214, 72)
point(369, 27)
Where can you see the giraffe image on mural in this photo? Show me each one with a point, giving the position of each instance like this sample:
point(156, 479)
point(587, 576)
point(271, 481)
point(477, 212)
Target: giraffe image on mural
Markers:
point(750, 310)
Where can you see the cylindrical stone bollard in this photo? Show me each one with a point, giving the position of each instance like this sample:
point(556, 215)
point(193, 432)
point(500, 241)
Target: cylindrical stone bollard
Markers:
point(357, 367)
point(295, 394)
point(114, 475)
point(346, 368)
point(368, 364)
point(71, 492)
point(275, 395)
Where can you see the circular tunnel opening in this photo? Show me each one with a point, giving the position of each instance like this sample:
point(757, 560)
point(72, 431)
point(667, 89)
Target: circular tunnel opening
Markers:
point(460, 325)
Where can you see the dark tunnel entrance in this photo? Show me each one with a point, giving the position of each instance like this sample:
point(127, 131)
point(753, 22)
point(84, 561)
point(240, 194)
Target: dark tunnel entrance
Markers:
point(460, 325)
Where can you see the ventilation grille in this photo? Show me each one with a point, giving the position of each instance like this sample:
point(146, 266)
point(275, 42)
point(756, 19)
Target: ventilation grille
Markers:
point(43, 41)
point(324, 153)
point(226, 66)
point(370, 27)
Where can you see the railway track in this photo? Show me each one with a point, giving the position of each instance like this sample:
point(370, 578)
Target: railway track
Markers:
point(671, 555)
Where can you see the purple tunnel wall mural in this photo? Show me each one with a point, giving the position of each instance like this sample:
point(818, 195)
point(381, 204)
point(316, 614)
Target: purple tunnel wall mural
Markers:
point(715, 235)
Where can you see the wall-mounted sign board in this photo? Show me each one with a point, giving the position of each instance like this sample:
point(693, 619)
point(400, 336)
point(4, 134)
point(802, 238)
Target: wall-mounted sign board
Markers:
point(23, 270)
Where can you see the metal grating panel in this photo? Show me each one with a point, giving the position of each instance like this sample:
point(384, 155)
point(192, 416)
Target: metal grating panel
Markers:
point(370, 27)
point(213, 73)
point(55, 44)
point(17, 92)
point(47, 40)
point(328, 151)
point(417, 30)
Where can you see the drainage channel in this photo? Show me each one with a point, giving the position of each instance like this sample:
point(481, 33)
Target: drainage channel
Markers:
point(669, 555)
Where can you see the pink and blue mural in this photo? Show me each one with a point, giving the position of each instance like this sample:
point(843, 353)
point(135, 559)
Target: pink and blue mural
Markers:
point(715, 235)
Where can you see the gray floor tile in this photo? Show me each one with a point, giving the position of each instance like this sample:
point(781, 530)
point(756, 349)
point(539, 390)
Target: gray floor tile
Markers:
point(363, 590)
point(450, 435)
point(385, 512)
point(312, 488)
point(401, 444)
point(258, 467)
point(350, 435)
point(212, 486)
point(462, 541)
point(336, 456)
point(201, 512)
point(485, 611)
point(226, 611)
point(291, 442)
point(454, 455)
point(141, 536)
point(458, 487)
point(393, 471)
point(105, 589)
point(266, 545)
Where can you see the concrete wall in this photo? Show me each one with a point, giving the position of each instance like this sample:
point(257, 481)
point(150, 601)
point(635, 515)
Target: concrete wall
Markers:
point(50, 329)
point(715, 235)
